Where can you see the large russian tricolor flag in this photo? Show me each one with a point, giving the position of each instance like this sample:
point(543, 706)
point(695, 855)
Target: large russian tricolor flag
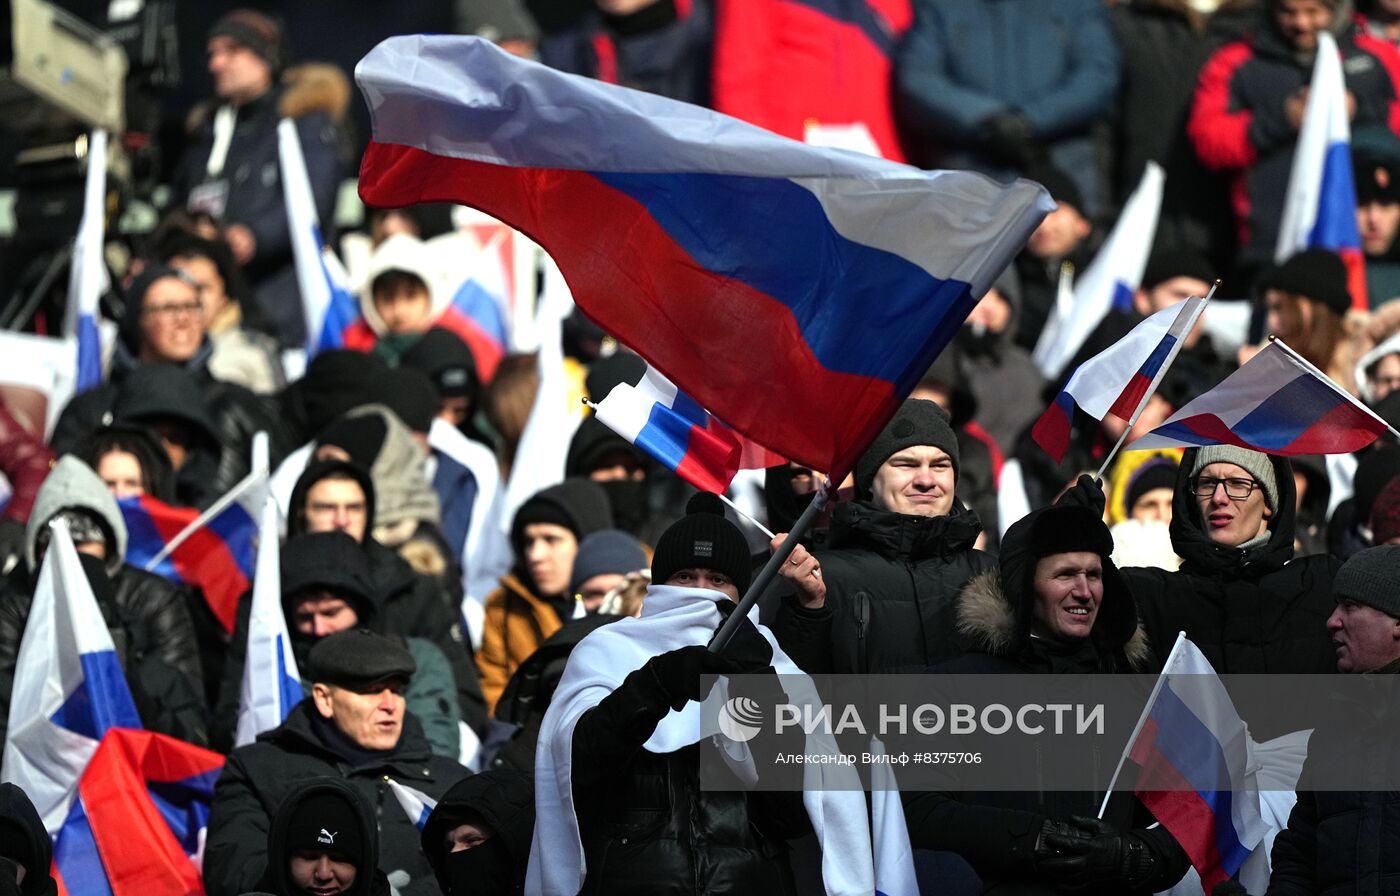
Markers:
point(667, 424)
point(1193, 752)
point(1276, 403)
point(1116, 380)
point(1319, 211)
point(87, 275)
point(326, 299)
point(1110, 279)
point(798, 293)
point(213, 550)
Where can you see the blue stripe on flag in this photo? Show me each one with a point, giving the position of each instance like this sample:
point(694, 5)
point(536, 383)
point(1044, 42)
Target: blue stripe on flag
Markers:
point(341, 307)
point(76, 857)
point(237, 530)
point(1335, 225)
point(666, 436)
point(477, 303)
point(1122, 296)
point(1193, 750)
point(185, 806)
point(289, 690)
point(788, 249)
point(685, 407)
point(1286, 414)
point(89, 353)
point(423, 818)
point(1158, 357)
point(100, 701)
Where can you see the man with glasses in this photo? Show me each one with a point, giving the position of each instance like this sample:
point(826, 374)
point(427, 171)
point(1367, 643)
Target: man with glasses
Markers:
point(1240, 595)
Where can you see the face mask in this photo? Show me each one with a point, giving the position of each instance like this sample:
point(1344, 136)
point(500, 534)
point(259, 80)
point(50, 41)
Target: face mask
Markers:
point(483, 871)
point(628, 498)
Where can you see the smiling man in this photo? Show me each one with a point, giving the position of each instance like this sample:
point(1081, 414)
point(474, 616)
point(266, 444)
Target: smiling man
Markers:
point(882, 596)
point(354, 726)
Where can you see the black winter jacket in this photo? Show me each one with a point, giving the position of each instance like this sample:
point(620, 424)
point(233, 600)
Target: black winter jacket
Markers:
point(891, 583)
point(149, 621)
point(1342, 842)
point(16, 807)
point(647, 826)
point(258, 777)
point(502, 798)
point(1249, 611)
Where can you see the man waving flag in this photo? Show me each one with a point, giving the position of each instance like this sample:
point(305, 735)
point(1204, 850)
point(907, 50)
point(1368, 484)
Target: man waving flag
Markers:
point(796, 293)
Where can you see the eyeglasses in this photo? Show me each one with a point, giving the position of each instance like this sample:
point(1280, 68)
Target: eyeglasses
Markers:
point(1236, 489)
point(173, 310)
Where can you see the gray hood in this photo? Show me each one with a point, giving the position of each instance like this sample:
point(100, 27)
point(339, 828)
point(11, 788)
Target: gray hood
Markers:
point(72, 483)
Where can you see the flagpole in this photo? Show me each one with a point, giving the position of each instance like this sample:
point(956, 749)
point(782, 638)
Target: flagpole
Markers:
point(770, 569)
point(214, 510)
point(1142, 719)
point(1156, 381)
point(1311, 368)
point(739, 510)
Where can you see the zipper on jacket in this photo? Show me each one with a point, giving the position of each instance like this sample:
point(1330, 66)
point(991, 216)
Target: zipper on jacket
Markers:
point(862, 620)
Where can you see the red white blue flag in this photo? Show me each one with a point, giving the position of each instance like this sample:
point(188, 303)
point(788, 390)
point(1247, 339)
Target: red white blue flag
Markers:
point(1319, 211)
point(1276, 403)
point(797, 293)
point(1116, 380)
point(87, 276)
point(1193, 752)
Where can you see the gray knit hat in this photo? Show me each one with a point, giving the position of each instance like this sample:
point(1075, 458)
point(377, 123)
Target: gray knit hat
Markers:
point(917, 422)
point(1371, 577)
point(1259, 465)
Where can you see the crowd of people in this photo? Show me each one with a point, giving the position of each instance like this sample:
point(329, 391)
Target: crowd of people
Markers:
point(538, 711)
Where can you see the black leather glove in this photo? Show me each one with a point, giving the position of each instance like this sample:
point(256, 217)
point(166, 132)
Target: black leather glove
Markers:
point(747, 649)
point(1085, 493)
point(1229, 887)
point(1095, 854)
point(1007, 138)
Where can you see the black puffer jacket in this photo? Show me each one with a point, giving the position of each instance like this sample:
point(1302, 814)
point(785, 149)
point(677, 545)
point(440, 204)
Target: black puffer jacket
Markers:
point(369, 880)
point(891, 582)
point(996, 831)
point(1249, 611)
point(1345, 842)
point(258, 777)
point(15, 807)
point(647, 826)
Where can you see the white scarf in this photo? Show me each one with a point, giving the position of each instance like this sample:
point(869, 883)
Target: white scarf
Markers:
point(671, 618)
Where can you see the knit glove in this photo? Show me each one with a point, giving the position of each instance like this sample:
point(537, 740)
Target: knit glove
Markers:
point(1085, 493)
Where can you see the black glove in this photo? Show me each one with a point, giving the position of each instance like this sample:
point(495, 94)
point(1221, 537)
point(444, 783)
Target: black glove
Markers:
point(678, 671)
point(1229, 887)
point(1096, 854)
point(747, 648)
point(1007, 138)
point(1085, 493)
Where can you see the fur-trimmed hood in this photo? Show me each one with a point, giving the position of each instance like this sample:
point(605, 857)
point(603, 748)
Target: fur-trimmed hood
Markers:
point(987, 621)
point(312, 87)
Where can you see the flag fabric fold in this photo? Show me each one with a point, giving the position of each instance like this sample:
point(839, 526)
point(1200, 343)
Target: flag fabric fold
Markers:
point(1275, 403)
point(416, 804)
point(1116, 380)
point(1319, 210)
point(1194, 754)
point(1110, 279)
point(327, 301)
point(271, 683)
point(666, 423)
point(213, 551)
point(848, 274)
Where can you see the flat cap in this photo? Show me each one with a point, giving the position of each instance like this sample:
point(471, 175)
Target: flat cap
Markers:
point(357, 657)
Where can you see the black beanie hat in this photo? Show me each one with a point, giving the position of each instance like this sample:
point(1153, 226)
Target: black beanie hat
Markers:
point(917, 422)
point(326, 821)
point(1152, 475)
point(1163, 265)
point(703, 539)
point(336, 381)
point(579, 505)
point(447, 360)
point(1060, 185)
point(251, 29)
point(332, 561)
point(411, 395)
point(130, 326)
point(1377, 178)
point(1315, 273)
point(360, 437)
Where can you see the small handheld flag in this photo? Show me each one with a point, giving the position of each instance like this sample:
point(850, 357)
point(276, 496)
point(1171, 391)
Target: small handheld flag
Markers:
point(271, 683)
point(416, 804)
point(88, 274)
point(1276, 403)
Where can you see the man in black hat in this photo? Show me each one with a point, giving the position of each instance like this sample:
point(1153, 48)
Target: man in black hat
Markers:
point(324, 841)
point(353, 726)
point(1378, 221)
point(881, 595)
point(230, 167)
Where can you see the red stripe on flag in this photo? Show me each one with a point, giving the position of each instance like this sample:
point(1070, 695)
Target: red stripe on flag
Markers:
point(1164, 790)
point(627, 274)
point(204, 560)
point(1127, 402)
point(710, 461)
point(1051, 432)
point(1356, 278)
point(1343, 429)
point(138, 850)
